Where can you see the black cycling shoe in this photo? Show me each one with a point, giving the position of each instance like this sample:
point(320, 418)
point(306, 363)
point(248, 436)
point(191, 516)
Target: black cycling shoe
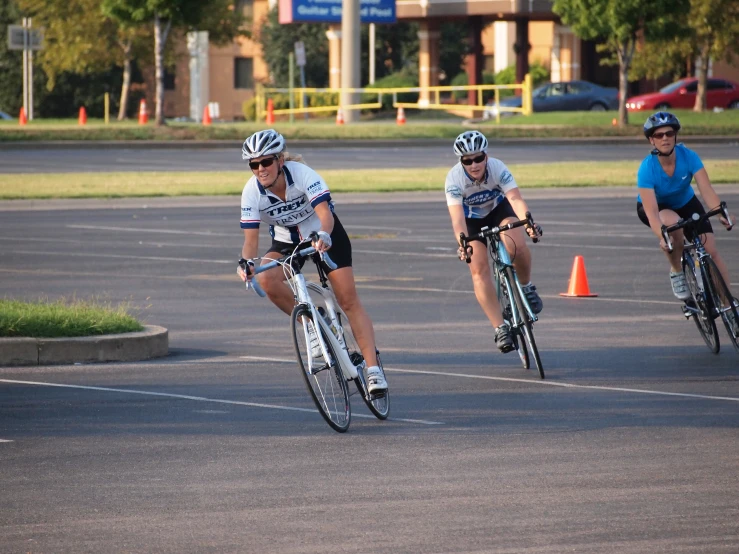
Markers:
point(504, 339)
point(533, 297)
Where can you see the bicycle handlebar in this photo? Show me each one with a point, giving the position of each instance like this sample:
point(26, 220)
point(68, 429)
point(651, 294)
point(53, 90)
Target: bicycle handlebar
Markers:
point(694, 221)
point(304, 253)
point(493, 233)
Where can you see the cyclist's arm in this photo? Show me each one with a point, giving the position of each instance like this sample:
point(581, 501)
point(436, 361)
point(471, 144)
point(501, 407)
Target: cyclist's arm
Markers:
point(710, 198)
point(459, 225)
point(517, 202)
point(251, 244)
point(651, 209)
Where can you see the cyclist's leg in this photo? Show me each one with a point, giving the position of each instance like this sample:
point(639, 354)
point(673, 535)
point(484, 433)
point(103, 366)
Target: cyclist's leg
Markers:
point(273, 281)
point(482, 282)
point(345, 290)
point(709, 242)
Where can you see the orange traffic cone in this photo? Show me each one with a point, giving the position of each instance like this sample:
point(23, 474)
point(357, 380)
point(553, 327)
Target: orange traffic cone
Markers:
point(400, 119)
point(270, 112)
point(206, 116)
point(22, 117)
point(82, 119)
point(143, 114)
point(339, 117)
point(578, 280)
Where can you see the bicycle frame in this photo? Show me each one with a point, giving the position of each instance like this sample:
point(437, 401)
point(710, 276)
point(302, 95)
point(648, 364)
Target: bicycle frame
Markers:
point(501, 260)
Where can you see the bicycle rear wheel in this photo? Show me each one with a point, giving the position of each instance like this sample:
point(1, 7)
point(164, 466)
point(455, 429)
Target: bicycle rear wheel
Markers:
point(528, 329)
point(505, 306)
point(724, 302)
point(324, 378)
point(704, 318)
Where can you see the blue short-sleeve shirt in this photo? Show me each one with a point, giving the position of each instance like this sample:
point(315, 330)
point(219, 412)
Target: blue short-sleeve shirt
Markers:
point(674, 191)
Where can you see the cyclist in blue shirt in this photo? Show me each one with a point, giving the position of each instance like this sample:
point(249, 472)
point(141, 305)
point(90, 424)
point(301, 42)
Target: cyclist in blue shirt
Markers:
point(665, 195)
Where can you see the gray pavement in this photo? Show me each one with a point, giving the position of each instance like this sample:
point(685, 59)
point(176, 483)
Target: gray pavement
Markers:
point(630, 445)
point(332, 155)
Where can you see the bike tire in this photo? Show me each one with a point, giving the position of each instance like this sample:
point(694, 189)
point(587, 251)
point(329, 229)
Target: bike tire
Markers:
point(326, 383)
point(505, 307)
point(704, 319)
point(720, 293)
point(528, 329)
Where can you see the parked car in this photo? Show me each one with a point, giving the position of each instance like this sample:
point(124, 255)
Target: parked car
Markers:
point(5, 116)
point(565, 96)
point(720, 93)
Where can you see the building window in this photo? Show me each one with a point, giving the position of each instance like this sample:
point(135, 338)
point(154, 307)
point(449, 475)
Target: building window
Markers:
point(169, 79)
point(246, 8)
point(243, 73)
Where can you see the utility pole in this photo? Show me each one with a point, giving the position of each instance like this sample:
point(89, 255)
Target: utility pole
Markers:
point(23, 37)
point(350, 61)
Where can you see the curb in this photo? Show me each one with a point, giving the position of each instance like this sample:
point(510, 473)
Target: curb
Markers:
point(152, 342)
point(325, 143)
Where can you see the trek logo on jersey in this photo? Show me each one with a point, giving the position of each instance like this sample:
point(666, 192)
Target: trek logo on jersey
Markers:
point(286, 208)
point(246, 212)
point(315, 187)
point(482, 197)
point(506, 177)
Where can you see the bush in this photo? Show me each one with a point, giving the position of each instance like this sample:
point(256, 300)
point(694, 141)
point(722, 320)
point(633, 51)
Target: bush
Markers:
point(461, 80)
point(400, 79)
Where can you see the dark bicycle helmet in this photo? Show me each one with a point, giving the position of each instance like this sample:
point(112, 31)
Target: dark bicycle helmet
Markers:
point(660, 119)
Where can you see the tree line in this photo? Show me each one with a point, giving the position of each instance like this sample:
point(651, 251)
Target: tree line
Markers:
point(95, 46)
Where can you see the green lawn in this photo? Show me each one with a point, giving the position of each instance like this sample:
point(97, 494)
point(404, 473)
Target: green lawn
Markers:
point(193, 183)
point(420, 125)
point(64, 318)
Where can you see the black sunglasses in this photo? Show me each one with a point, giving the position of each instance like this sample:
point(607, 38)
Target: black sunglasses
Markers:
point(264, 163)
point(477, 160)
point(668, 134)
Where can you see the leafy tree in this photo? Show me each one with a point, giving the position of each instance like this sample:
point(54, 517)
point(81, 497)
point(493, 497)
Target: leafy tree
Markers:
point(80, 39)
point(11, 62)
point(620, 24)
point(715, 25)
point(396, 49)
point(218, 17)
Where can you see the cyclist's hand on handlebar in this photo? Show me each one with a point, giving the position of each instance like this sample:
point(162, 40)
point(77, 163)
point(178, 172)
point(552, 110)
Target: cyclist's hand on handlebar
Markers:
point(461, 254)
point(725, 222)
point(245, 269)
point(322, 241)
point(534, 231)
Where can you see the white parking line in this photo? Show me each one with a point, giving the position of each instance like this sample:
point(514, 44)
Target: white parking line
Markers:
point(529, 381)
point(203, 399)
point(3, 440)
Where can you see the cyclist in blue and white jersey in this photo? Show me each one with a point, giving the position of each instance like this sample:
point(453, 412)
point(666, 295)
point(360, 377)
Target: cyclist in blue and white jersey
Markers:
point(481, 192)
point(296, 202)
point(665, 195)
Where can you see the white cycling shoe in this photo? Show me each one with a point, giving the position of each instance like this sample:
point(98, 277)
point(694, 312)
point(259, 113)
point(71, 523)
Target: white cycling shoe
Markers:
point(376, 382)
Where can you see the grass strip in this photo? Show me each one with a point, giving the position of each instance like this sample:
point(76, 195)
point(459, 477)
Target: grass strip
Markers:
point(419, 126)
point(64, 318)
point(219, 183)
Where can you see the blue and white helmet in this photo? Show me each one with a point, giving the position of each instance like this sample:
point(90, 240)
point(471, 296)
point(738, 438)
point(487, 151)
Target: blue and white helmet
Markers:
point(660, 119)
point(262, 143)
point(470, 142)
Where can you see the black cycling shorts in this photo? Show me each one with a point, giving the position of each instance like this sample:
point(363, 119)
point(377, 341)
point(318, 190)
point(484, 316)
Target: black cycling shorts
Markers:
point(493, 219)
point(693, 206)
point(340, 251)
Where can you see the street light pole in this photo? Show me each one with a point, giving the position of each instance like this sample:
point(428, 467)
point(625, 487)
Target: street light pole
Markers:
point(350, 61)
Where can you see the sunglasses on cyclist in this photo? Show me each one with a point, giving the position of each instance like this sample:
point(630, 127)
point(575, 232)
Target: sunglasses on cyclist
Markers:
point(477, 160)
point(264, 163)
point(668, 134)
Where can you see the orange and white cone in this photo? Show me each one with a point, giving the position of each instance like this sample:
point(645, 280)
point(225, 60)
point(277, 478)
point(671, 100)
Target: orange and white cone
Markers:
point(400, 119)
point(578, 280)
point(143, 114)
point(339, 117)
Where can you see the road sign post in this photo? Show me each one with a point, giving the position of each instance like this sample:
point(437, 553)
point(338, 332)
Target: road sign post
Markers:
point(24, 37)
point(300, 62)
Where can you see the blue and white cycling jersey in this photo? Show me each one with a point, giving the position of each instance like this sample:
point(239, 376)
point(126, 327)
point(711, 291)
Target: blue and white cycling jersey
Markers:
point(478, 198)
point(674, 191)
point(294, 218)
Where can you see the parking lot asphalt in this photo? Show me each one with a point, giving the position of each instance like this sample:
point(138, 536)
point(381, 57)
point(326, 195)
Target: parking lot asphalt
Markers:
point(629, 445)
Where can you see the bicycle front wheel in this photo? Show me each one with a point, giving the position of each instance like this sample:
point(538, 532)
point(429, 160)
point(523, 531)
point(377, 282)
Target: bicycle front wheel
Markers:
point(527, 335)
point(704, 318)
point(324, 378)
point(724, 302)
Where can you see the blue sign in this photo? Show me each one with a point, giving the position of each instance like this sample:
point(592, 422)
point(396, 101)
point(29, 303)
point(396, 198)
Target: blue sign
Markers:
point(329, 11)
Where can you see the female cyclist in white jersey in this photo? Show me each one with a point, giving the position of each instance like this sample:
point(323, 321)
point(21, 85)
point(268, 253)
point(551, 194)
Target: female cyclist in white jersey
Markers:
point(296, 202)
point(481, 192)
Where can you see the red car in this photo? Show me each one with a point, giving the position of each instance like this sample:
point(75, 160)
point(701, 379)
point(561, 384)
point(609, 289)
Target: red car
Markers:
point(681, 94)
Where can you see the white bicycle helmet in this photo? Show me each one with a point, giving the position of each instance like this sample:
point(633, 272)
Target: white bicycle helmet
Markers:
point(470, 142)
point(262, 143)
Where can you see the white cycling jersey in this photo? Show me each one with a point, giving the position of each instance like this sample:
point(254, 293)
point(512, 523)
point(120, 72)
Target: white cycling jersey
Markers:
point(294, 218)
point(479, 198)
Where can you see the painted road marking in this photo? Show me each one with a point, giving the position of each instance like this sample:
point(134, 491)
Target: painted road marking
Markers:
point(529, 381)
point(203, 399)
